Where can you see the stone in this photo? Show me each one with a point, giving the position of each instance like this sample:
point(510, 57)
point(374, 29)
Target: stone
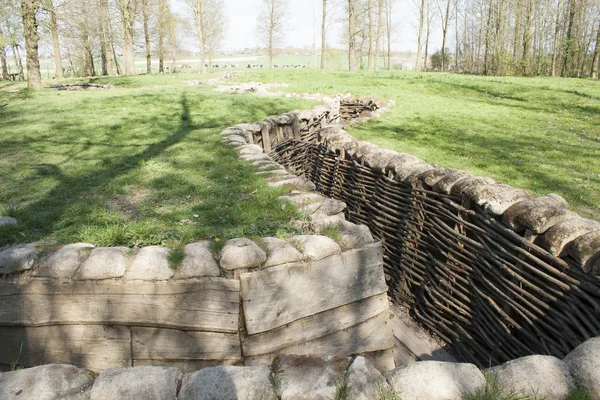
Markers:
point(498, 204)
point(406, 174)
point(321, 221)
point(431, 177)
point(297, 182)
point(435, 380)
point(242, 254)
point(586, 250)
point(273, 173)
point(280, 252)
point(316, 247)
point(255, 157)
point(103, 263)
point(332, 207)
point(537, 214)
point(480, 194)
point(137, 383)
point(6, 221)
point(249, 149)
point(151, 264)
point(402, 161)
point(445, 184)
point(198, 261)
point(354, 236)
point(303, 199)
point(63, 264)
point(18, 258)
point(46, 382)
point(556, 239)
point(464, 184)
point(584, 365)
point(364, 381)
point(228, 383)
point(543, 377)
point(379, 159)
point(307, 377)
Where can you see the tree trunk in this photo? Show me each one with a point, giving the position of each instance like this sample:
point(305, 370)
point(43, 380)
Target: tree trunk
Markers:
point(162, 31)
point(351, 35)
point(569, 39)
point(596, 59)
point(389, 34)
point(526, 38)
point(554, 66)
point(201, 36)
point(271, 34)
point(445, 20)
point(370, 35)
point(420, 34)
point(28, 10)
point(146, 18)
point(486, 55)
point(127, 27)
point(105, 55)
point(3, 62)
point(323, 33)
point(380, 5)
point(18, 63)
point(58, 70)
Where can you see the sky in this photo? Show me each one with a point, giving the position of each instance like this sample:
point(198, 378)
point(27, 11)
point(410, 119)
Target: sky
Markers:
point(302, 17)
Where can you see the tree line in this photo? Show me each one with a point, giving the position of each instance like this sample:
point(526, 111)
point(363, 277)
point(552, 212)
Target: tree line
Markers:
point(489, 37)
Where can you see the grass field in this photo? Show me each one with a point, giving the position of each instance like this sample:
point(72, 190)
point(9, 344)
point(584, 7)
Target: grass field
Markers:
point(142, 163)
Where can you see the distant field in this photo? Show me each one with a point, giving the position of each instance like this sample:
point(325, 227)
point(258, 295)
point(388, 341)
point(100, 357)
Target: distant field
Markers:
point(143, 164)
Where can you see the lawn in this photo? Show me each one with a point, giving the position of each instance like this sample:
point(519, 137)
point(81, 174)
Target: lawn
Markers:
point(142, 163)
point(541, 134)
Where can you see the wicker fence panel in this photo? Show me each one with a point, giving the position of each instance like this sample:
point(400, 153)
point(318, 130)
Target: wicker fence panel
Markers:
point(489, 292)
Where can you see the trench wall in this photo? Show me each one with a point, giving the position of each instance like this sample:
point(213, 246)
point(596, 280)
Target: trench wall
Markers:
point(490, 269)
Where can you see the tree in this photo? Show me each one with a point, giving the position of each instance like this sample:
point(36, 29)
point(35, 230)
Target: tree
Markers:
point(596, 59)
point(445, 19)
point(323, 33)
point(351, 34)
point(270, 24)
point(146, 15)
point(49, 6)
point(421, 10)
point(29, 9)
point(126, 9)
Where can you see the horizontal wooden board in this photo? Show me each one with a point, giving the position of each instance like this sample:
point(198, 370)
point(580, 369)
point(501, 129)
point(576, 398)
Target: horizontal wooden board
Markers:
point(186, 366)
point(164, 344)
point(93, 347)
point(281, 295)
point(372, 335)
point(206, 305)
point(315, 326)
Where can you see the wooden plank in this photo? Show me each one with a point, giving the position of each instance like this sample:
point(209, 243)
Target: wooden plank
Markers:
point(266, 137)
point(417, 340)
point(203, 306)
point(402, 355)
point(372, 335)
point(170, 344)
point(284, 294)
point(186, 366)
point(93, 347)
point(315, 326)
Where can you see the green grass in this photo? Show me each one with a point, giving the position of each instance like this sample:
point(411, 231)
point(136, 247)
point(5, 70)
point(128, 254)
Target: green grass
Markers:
point(138, 165)
point(142, 164)
point(541, 134)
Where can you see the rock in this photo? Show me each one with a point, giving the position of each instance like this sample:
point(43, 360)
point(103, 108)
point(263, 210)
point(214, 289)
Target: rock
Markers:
point(584, 365)
point(315, 247)
point(480, 194)
point(321, 221)
point(280, 252)
point(64, 262)
point(431, 177)
point(543, 377)
point(379, 159)
point(445, 184)
point(298, 183)
point(6, 221)
point(406, 174)
point(303, 199)
point(503, 200)
point(402, 161)
point(47, 382)
point(228, 383)
point(103, 263)
point(18, 258)
point(586, 250)
point(435, 380)
point(364, 382)
point(332, 207)
point(308, 377)
point(151, 264)
point(242, 253)
point(354, 236)
point(556, 239)
point(464, 184)
point(198, 261)
point(255, 157)
point(536, 214)
point(249, 149)
point(137, 383)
